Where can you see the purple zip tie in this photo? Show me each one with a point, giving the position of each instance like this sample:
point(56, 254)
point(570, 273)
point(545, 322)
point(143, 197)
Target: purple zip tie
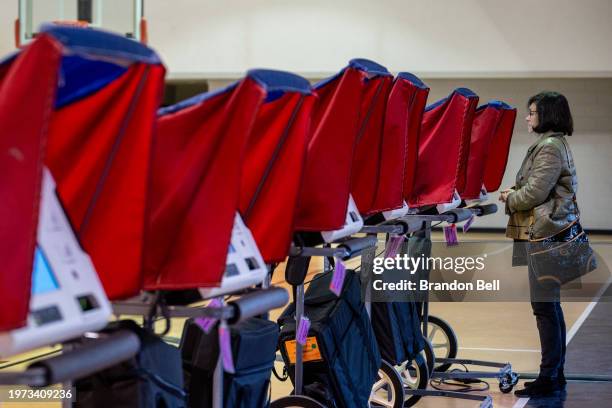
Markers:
point(302, 332)
point(225, 347)
point(338, 278)
point(393, 246)
point(450, 233)
point(468, 224)
point(207, 323)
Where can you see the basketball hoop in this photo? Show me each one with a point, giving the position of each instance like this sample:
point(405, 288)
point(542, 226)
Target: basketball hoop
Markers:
point(103, 14)
point(72, 23)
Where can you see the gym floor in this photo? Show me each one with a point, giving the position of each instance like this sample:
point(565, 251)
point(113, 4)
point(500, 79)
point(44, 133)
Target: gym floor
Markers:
point(506, 332)
point(503, 332)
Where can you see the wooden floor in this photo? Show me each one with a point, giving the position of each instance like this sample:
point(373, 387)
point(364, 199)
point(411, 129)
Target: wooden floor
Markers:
point(493, 331)
point(497, 331)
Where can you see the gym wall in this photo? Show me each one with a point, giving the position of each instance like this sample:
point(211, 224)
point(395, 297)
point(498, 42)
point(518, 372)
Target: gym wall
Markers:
point(439, 37)
point(506, 50)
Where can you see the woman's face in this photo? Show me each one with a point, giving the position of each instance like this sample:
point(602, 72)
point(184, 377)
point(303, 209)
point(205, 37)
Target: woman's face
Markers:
point(532, 117)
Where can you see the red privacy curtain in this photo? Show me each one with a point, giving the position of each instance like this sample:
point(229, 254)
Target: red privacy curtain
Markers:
point(365, 172)
point(497, 156)
point(485, 123)
point(197, 165)
point(416, 93)
point(102, 172)
point(27, 92)
point(274, 162)
point(444, 149)
point(402, 125)
point(99, 148)
point(325, 189)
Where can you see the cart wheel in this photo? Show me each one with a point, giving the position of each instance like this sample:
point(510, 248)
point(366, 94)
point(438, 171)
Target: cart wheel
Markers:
point(428, 354)
point(443, 340)
point(296, 401)
point(414, 376)
point(505, 388)
point(388, 391)
point(507, 382)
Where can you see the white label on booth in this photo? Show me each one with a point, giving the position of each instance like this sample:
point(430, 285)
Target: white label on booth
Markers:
point(352, 224)
point(244, 266)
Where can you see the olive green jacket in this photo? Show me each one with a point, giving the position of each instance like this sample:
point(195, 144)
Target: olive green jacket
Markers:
point(543, 201)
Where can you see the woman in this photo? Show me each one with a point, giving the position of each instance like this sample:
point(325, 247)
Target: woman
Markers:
point(542, 206)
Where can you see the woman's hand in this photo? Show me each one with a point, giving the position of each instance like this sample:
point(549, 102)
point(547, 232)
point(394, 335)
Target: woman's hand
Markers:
point(503, 195)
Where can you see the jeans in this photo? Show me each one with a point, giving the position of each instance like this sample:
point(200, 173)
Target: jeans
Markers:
point(546, 305)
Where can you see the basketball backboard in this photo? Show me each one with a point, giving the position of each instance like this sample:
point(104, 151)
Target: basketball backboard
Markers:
point(121, 16)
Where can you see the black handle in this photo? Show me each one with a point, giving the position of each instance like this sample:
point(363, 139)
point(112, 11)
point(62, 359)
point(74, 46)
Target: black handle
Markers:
point(93, 356)
point(296, 270)
point(357, 245)
point(257, 303)
point(459, 214)
point(485, 209)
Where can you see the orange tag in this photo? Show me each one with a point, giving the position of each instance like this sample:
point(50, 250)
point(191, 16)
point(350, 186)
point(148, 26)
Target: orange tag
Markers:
point(72, 23)
point(310, 351)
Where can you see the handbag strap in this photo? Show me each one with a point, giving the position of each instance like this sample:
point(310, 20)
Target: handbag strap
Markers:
point(570, 162)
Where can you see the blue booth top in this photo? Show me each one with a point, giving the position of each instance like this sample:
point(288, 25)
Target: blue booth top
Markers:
point(92, 59)
point(276, 83)
point(495, 104)
point(468, 93)
point(413, 79)
point(369, 66)
point(100, 42)
point(361, 64)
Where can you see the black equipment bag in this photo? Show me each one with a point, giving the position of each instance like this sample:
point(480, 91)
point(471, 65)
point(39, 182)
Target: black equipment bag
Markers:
point(341, 357)
point(398, 324)
point(398, 331)
point(253, 343)
point(152, 379)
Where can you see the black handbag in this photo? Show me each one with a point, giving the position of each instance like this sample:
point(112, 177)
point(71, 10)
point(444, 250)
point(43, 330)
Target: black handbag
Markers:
point(563, 257)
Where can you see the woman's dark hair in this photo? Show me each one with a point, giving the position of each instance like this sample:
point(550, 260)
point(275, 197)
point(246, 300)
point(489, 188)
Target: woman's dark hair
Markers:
point(553, 113)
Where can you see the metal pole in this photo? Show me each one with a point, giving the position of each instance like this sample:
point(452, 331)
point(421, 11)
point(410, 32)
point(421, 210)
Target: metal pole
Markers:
point(28, 20)
point(137, 17)
point(326, 265)
point(299, 312)
point(98, 16)
point(367, 265)
point(217, 397)
point(427, 233)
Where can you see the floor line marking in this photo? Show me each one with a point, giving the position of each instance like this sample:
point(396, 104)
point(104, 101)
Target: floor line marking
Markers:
point(521, 403)
point(499, 349)
point(587, 311)
point(575, 327)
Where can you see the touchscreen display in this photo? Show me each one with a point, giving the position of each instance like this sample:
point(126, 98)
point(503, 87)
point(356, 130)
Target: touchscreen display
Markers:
point(43, 279)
